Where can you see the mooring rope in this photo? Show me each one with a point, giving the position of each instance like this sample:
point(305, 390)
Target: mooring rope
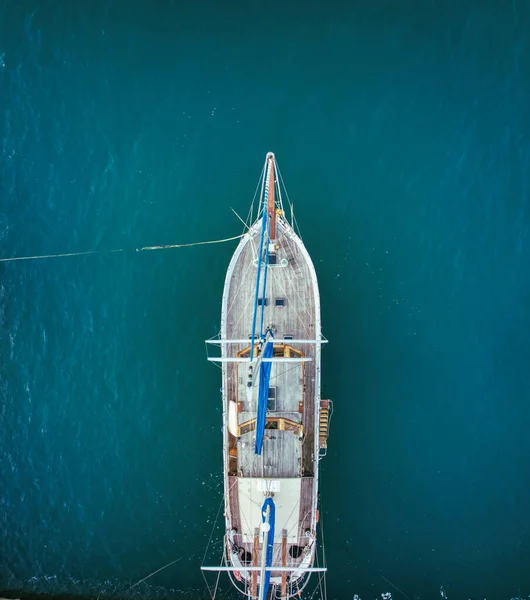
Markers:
point(52, 255)
point(236, 237)
point(143, 249)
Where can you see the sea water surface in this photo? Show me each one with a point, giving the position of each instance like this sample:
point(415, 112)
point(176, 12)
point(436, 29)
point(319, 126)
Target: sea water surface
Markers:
point(402, 129)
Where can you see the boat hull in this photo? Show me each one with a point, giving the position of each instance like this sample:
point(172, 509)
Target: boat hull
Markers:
point(287, 469)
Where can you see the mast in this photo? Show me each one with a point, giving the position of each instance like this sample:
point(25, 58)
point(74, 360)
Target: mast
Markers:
point(271, 207)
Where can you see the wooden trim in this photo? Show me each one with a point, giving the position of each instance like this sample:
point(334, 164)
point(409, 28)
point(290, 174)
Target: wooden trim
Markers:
point(289, 351)
point(254, 590)
point(282, 422)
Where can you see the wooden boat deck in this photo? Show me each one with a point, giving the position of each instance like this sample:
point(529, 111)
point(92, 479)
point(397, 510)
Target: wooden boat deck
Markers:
point(291, 311)
point(281, 456)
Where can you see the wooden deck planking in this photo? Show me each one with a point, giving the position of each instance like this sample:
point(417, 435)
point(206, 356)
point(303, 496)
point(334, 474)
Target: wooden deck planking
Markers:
point(233, 498)
point(306, 498)
point(283, 457)
point(280, 456)
point(297, 318)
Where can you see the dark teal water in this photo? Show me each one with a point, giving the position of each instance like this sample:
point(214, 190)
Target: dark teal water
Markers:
point(402, 130)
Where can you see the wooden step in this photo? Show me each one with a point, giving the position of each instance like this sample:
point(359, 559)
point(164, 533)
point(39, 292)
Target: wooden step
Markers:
point(323, 423)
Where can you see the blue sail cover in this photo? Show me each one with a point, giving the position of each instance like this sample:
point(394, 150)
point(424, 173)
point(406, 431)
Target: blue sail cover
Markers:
point(263, 398)
point(270, 539)
point(263, 229)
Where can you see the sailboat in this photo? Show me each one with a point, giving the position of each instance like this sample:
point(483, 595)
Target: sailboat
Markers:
point(275, 423)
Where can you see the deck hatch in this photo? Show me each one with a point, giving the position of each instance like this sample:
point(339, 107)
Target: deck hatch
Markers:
point(271, 400)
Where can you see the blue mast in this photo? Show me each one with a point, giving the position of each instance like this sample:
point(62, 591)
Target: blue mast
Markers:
point(270, 542)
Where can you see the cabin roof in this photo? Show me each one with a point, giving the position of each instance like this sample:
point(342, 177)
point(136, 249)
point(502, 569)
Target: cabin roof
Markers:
point(286, 496)
point(285, 391)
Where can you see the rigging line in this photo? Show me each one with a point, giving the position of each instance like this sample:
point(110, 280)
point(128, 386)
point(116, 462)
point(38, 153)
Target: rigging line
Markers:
point(296, 366)
point(304, 304)
point(229, 573)
point(234, 327)
point(208, 545)
point(244, 223)
point(297, 505)
point(395, 587)
point(286, 195)
point(241, 282)
point(250, 503)
point(322, 594)
point(207, 585)
point(218, 577)
point(302, 322)
point(265, 271)
point(297, 227)
point(252, 244)
point(299, 530)
point(143, 249)
point(278, 187)
point(260, 255)
point(294, 223)
point(324, 561)
point(248, 222)
point(298, 314)
point(314, 592)
point(213, 527)
point(280, 180)
point(158, 571)
point(212, 596)
point(281, 373)
point(299, 525)
point(260, 182)
point(250, 241)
